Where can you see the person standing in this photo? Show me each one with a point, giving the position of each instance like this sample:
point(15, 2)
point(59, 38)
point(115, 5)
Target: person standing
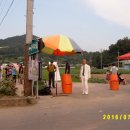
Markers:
point(8, 71)
point(51, 69)
point(21, 72)
point(85, 74)
point(14, 74)
point(114, 69)
point(4, 73)
point(67, 68)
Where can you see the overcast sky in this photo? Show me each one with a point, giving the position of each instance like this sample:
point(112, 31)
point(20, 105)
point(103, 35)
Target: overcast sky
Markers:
point(93, 24)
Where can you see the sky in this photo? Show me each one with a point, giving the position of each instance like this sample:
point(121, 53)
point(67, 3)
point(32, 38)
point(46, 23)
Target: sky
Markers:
point(93, 24)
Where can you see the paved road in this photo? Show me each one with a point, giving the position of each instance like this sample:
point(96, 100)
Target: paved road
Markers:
point(73, 112)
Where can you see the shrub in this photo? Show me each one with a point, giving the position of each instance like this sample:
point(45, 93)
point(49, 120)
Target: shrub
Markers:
point(7, 87)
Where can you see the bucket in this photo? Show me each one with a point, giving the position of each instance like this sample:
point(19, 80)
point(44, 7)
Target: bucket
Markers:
point(114, 83)
point(66, 84)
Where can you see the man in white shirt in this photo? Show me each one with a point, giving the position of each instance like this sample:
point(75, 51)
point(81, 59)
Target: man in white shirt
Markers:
point(114, 69)
point(85, 74)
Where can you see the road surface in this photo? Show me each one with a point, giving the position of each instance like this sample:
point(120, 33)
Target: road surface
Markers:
point(102, 109)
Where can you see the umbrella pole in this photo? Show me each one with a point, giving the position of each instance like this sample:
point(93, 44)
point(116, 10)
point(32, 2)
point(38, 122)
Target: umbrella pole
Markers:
point(56, 88)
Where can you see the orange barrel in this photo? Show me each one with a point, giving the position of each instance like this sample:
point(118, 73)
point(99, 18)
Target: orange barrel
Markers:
point(114, 83)
point(66, 84)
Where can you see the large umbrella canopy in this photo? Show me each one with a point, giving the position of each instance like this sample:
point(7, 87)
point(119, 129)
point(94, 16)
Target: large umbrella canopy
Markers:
point(124, 57)
point(60, 45)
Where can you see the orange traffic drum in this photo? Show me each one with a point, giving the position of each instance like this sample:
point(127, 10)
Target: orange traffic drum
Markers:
point(114, 83)
point(66, 84)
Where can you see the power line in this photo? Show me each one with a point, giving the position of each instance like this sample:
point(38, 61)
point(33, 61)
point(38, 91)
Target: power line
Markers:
point(6, 12)
point(3, 7)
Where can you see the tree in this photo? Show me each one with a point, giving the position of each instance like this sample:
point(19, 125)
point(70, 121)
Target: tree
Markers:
point(122, 46)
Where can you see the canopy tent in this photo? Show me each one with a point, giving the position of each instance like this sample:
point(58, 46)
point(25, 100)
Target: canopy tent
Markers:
point(124, 57)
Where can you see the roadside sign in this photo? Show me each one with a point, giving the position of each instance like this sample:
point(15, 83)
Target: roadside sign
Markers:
point(33, 47)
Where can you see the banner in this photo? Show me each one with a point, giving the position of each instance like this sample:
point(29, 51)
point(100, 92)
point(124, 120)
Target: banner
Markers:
point(33, 68)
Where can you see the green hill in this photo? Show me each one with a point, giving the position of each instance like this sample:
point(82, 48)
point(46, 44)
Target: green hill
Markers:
point(15, 46)
point(16, 49)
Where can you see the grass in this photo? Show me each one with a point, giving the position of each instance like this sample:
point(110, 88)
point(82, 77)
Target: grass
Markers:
point(96, 80)
point(103, 71)
point(98, 71)
point(74, 72)
point(75, 75)
point(123, 71)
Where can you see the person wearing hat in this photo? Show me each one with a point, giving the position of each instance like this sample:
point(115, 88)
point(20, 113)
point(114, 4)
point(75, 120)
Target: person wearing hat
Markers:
point(51, 69)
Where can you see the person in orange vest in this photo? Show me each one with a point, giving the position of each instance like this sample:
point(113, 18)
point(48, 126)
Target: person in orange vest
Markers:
point(51, 69)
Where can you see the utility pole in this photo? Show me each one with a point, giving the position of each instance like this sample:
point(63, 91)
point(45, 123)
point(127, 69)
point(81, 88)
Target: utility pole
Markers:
point(29, 37)
point(101, 58)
